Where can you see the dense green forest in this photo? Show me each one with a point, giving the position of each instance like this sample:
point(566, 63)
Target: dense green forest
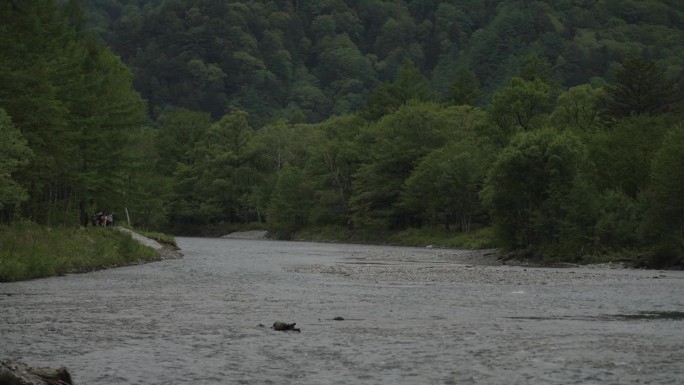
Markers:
point(556, 124)
point(306, 60)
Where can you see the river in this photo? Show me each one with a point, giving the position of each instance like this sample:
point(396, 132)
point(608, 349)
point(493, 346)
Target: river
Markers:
point(411, 316)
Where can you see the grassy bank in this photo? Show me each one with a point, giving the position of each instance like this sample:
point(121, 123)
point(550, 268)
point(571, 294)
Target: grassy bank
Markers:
point(477, 239)
point(29, 251)
point(483, 238)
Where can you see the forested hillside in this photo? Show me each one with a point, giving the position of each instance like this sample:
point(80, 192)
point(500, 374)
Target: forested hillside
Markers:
point(553, 128)
point(305, 60)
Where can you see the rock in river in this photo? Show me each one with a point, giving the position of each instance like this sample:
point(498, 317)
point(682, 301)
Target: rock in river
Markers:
point(17, 373)
point(283, 326)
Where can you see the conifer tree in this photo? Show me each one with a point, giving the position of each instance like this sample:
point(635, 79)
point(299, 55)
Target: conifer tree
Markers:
point(640, 88)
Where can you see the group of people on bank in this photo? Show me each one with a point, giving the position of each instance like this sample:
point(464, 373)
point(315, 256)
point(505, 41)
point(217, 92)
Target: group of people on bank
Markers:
point(103, 220)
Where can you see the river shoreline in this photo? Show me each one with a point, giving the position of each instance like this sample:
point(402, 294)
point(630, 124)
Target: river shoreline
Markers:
point(489, 256)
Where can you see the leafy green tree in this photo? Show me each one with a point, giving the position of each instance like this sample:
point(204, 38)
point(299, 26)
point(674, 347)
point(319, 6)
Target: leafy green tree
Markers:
point(537, 67)
point(520, 104)
point(38, 50)
point(465, 89)
point(277, 146)
point(106, 111)
point(178, 137)
point(578, 108)
point(395, 42)
point(290, 204)
point(177, 161)
point(396, 145)
point(381, 102)
point(306, 102)
point(540, 196)
point(14, 154)
point(335, 155)
point(444, 187)
point(410, 85)
point(227, 170)
point(617, 222)
point(497, 51)
point(73, 101)
point(623, 154)
point(344, 71)
point(147, 192)
point(664, 201)
point(280, 143)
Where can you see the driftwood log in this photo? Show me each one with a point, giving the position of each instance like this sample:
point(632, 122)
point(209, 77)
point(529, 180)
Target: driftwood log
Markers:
point(283, 326)
point(17, 373)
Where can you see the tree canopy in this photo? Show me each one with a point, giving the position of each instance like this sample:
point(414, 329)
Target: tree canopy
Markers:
point(287, 59)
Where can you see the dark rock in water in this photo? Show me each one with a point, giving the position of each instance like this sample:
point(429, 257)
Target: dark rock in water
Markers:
point(17, 373)
point(283, 326)
point(338, 318)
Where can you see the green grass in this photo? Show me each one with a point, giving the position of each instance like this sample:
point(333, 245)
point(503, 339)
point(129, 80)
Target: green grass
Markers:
point(29, 251)
point(476, 239)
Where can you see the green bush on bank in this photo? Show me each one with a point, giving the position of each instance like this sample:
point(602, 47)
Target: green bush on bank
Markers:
point(29, 251)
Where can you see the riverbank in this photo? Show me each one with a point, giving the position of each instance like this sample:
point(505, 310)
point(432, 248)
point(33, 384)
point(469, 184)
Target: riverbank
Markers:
point(477, 239)
point(29, 251)
point(481, 244)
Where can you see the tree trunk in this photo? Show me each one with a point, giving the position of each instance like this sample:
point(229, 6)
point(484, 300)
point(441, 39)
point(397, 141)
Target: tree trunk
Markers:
point(83, 209)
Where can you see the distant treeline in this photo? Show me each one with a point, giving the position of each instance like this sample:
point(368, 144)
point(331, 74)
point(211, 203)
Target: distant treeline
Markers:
point(561, 172)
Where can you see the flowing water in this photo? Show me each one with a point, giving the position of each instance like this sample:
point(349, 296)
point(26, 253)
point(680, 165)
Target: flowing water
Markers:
point(411, 316)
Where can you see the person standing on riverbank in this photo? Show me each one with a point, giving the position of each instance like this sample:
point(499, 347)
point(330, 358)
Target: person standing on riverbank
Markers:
point(100, 219)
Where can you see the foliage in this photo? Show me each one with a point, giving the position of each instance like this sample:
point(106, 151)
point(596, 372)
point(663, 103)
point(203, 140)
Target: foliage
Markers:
point(482, 238)
point(29, 251)
point(410, 85)
point(556, 122)
point(640, 88)
point(444, 186)
point(399, 142)
point(289, 208)
point(538, 193)
point(286, 59)
point(226, 169)
point(664, 201)
point(519, 104)
point(623, 154)
point(14, 153)
point(465, 89)
point(617, 222)
point(578, 108)
point(72, 100)
point(335, 155)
